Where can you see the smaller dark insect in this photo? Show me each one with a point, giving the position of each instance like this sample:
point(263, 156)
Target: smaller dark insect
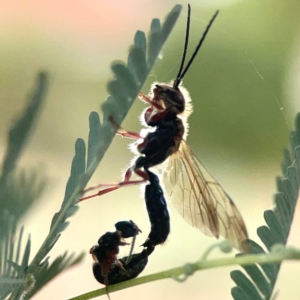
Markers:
point(157, 210)
point(105, 253)
point(128, 271)
point(107, 268)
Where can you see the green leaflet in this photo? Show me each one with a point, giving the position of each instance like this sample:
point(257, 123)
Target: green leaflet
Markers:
point(278, 220)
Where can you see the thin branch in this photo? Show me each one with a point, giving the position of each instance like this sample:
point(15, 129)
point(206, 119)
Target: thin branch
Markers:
point(279, 254)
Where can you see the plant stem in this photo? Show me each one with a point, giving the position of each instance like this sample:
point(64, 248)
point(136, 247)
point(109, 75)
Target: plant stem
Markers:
point(185, 271)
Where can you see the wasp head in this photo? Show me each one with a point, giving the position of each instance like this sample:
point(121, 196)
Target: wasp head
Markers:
point(170, 98)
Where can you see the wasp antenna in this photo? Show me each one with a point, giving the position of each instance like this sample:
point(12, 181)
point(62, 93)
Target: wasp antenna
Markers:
point(197, 48)
point(187, 34)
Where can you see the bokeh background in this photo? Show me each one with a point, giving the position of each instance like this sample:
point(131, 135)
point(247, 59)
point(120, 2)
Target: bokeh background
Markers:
point(244, 85)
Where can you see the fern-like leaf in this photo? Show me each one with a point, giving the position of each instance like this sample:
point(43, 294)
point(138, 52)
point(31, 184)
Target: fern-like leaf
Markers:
point(47, 271)
point(68, 207)
point(18, 136)
point(130, 78)
point(12, 263)
point(125, 86)
point(278, 224)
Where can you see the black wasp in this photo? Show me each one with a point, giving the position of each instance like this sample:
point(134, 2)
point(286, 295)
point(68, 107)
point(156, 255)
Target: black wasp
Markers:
point(107, 268)
point(105, 253)
point(196, 195)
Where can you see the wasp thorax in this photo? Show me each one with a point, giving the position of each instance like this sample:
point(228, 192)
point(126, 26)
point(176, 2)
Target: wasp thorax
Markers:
point(169, 98)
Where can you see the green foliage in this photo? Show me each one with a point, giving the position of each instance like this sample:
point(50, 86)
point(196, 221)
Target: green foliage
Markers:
point(261, 266)
point(262, 277)
point(18, 136)
point(48, 271)
point(20, 278)
point(130, 79)
point(12, 276)
point(19, 190)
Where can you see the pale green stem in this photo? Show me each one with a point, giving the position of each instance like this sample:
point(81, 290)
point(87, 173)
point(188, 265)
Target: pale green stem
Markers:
point(273, 257)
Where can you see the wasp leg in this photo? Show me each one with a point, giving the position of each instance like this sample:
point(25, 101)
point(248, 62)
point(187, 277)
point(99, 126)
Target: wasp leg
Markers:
point(123, 132)
point(100, 193)
point(147, 99)
point(116, 186)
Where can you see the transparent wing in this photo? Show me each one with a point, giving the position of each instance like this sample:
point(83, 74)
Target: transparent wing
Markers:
point(200, 199)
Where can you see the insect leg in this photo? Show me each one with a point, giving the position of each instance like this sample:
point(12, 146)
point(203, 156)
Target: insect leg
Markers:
point(100, 193)
point(147, 99)
point(123, 132)
point(116, 186)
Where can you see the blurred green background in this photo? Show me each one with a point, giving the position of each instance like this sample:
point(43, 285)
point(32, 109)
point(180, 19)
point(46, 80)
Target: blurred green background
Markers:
point(244, 88)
